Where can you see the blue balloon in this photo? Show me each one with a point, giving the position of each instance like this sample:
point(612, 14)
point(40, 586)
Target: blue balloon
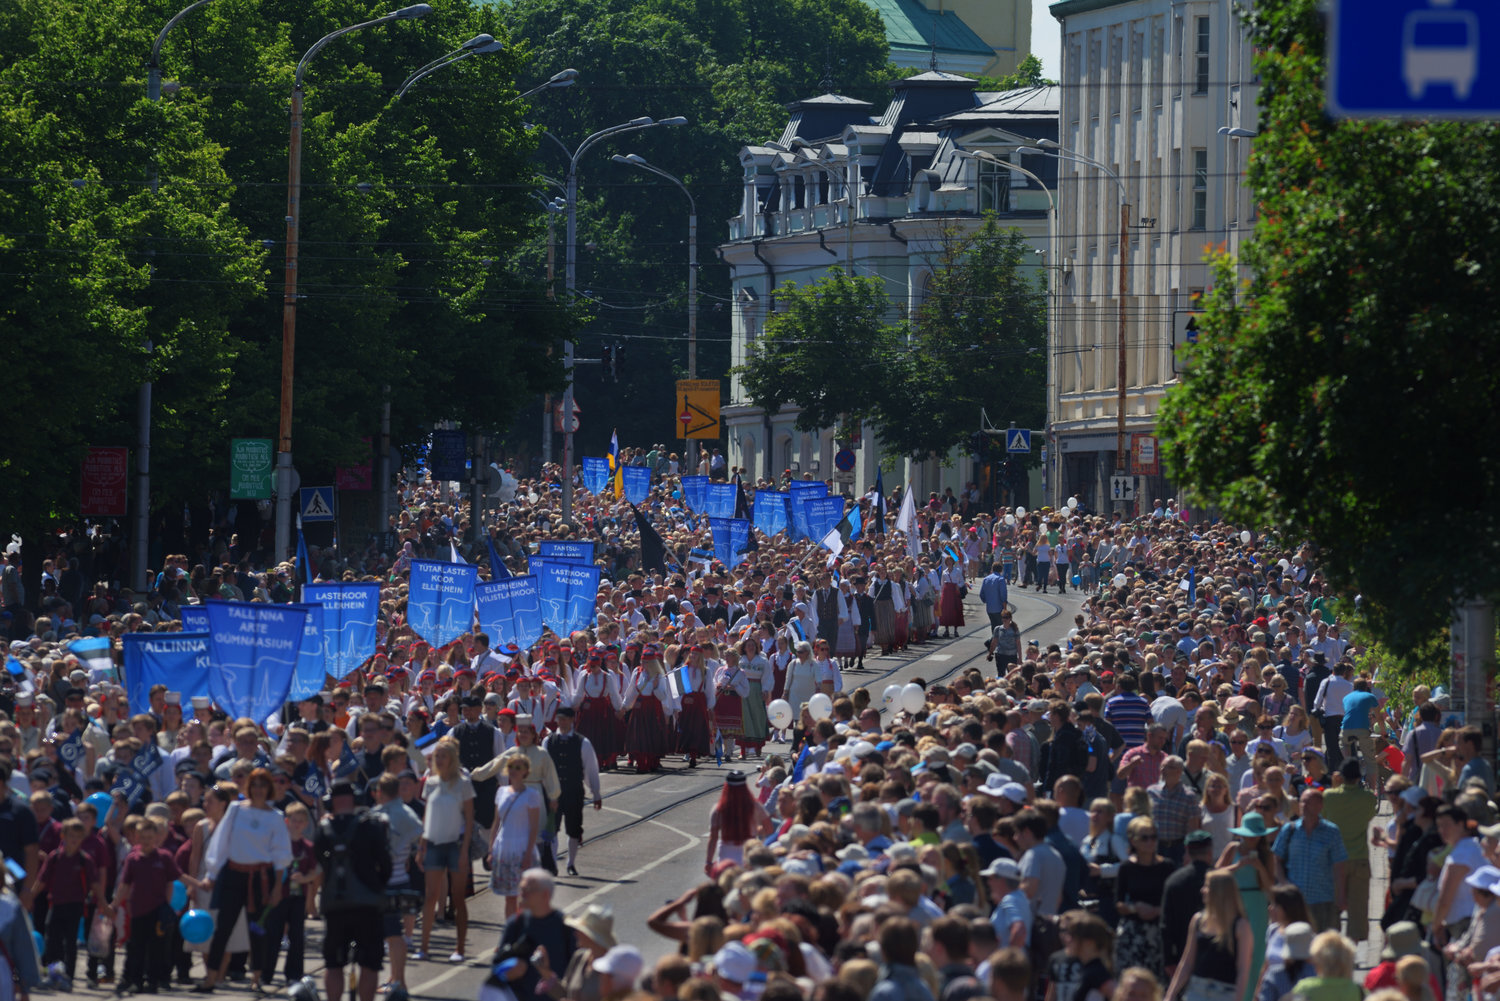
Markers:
point(41, 943)
point(1077, 581)
point(179, 895)
point(101, 802)
point(197, 927)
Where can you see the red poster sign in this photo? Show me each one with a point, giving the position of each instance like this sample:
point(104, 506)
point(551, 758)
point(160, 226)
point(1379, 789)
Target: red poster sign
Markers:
point(353, 477)
point(1143, 458)
point(106, 482)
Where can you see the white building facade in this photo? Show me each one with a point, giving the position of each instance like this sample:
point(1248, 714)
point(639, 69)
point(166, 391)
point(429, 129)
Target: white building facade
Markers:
point(1147, 85)
point(874, 195)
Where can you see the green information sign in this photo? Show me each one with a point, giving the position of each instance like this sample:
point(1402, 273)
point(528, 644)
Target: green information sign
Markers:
point(251, 473)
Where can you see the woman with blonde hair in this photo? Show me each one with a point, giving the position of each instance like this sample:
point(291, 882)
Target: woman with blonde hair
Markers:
point(513, 836)
point(1333, 961)
point(1137, 984)
point(1216, 960)
point(1294, 731)
point(447, 827)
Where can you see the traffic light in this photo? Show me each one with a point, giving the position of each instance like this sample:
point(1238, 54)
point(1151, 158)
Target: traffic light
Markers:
point(607, 358)
point(619, 361)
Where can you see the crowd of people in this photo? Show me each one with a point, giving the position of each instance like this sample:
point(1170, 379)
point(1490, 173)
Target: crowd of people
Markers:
point(1176, 795)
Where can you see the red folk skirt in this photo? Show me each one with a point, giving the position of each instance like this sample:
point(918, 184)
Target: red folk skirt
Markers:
point(646, 733)
point(694, 734)
point(951, 608)
point(597, 722)
point(729, 713)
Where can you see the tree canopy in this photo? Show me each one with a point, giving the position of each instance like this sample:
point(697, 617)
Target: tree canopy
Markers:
point(1347, 392)
point(977, 342)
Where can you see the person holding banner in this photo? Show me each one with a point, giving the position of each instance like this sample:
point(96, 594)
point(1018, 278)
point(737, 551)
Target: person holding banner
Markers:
point(651, 707)
point(597, 700)
point(695, 731)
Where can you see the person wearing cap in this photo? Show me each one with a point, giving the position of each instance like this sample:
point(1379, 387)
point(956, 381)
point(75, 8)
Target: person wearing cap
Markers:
point(1012, 916)
point(1402, 939)
point(733, 966)
point(1483, 933)
point(576, 763)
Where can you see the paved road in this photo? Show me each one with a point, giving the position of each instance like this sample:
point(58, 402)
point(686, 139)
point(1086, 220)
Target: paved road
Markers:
point(647, 845)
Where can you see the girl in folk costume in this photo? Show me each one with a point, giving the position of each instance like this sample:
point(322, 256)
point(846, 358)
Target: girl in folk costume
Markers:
point(781, 659)
point(596, 698)
point(649, 706)
point(732, 694)
point(846, 645)
point(883, 634)
point(531, 699)
point(925, 586)
point(695, 730)
point(951, 604)
point(756, 667)
point(830, 678)
point(901, 598)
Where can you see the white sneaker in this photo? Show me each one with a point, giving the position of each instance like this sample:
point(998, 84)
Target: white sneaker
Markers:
point(457, 957)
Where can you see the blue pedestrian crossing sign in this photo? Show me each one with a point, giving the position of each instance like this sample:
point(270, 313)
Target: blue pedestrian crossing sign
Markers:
point(1018, 440)
point(317, 504)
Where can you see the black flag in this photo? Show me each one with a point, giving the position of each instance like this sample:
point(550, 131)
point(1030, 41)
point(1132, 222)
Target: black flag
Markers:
point(653, 549)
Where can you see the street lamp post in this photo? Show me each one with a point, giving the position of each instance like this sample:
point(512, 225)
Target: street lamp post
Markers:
point(1050, 148)
point(633, 160)
point(571, 282)
point(289, 295)
point(142, 532)
point(479, 45)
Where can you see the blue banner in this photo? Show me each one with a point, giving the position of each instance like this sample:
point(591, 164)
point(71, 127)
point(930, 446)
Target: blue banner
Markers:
point(350, 612)
point(255, 651)
point(822, 513)
point(637, 483)
point(440, 601)
point(802, 490)
point(771, 512)
point(510, 611)
point(567, 550)
point(693, 490)
point(181, 661)
point(311, 659)
point(718, 500)
point(567, 592)
point(448, 458)
point(731, 536)
point(194, 620)
point(595, 473)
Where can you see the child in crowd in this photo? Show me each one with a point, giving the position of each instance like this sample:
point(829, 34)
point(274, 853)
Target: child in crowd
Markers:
point(71, 879)
point(143, 898)
point(290, 915)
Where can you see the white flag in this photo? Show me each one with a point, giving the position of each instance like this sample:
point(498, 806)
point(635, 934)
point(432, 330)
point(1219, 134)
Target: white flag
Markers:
point(833, 542)
point(906, 521)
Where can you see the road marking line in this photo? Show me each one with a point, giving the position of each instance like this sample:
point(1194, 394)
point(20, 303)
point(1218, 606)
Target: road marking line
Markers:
point(485, 957)
point(938, 656)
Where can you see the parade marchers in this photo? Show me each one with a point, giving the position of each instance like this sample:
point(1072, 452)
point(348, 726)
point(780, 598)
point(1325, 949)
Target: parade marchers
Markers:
point(1172, 798)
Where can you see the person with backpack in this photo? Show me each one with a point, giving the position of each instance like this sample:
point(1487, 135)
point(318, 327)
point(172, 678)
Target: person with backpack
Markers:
point(353, 849)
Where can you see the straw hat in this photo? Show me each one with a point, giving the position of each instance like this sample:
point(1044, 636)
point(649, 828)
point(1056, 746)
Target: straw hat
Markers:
point(598, 923)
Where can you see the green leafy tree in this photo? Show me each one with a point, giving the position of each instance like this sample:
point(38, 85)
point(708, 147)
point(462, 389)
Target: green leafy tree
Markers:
point(1347, 392)
point(1027, 74)
point(979, 342)
point(827, 350)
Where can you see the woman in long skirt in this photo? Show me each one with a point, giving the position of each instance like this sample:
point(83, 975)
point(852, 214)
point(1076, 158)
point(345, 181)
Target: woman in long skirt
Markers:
point(883, 634)
point(951, 606)
point(922, 583)
point(596, 698)
point(732, 692)
point(756, 726)
point(901, 608)
point(650, 706)
point(780, 658)
point(846, 643)
point(695, 732)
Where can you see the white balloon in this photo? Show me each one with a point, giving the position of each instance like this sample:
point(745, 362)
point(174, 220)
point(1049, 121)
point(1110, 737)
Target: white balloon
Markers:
point(1245, 536)
point(780, 714)
point(1119, 580)
point(843, 753)
point(913, 697)
point(1072, 503)
point(1283, 564)
point(820, 706)
point(1072, 632)
point(891, 695)
point(1010, 520)
point(1020, 512)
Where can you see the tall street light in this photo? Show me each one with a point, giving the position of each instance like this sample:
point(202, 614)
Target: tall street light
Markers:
point(571, 280)
point(987, 156)
point(289, 295)
point(479, 45)
point(633, 160)
point(141, 536)
point(1049, 147)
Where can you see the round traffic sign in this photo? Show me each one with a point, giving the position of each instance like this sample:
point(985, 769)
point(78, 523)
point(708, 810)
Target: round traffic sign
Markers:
point(685, 417)
point(843, 460)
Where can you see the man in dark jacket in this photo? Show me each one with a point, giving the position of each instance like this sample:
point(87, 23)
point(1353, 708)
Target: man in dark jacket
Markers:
point(1067, 754)
point(1182, 897)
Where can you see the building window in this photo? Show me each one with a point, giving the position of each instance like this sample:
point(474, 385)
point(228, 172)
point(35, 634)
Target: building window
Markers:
point(1200, 189)
point(994, 187)
point(1200, 59)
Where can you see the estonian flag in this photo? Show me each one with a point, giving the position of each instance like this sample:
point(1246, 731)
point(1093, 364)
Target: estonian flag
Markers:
point(616, 474)
point(653, 549)
point(304, 565)
point(840, 535)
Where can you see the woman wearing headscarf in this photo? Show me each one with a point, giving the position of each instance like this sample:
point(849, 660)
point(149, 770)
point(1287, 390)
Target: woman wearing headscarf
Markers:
point(649, 705)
